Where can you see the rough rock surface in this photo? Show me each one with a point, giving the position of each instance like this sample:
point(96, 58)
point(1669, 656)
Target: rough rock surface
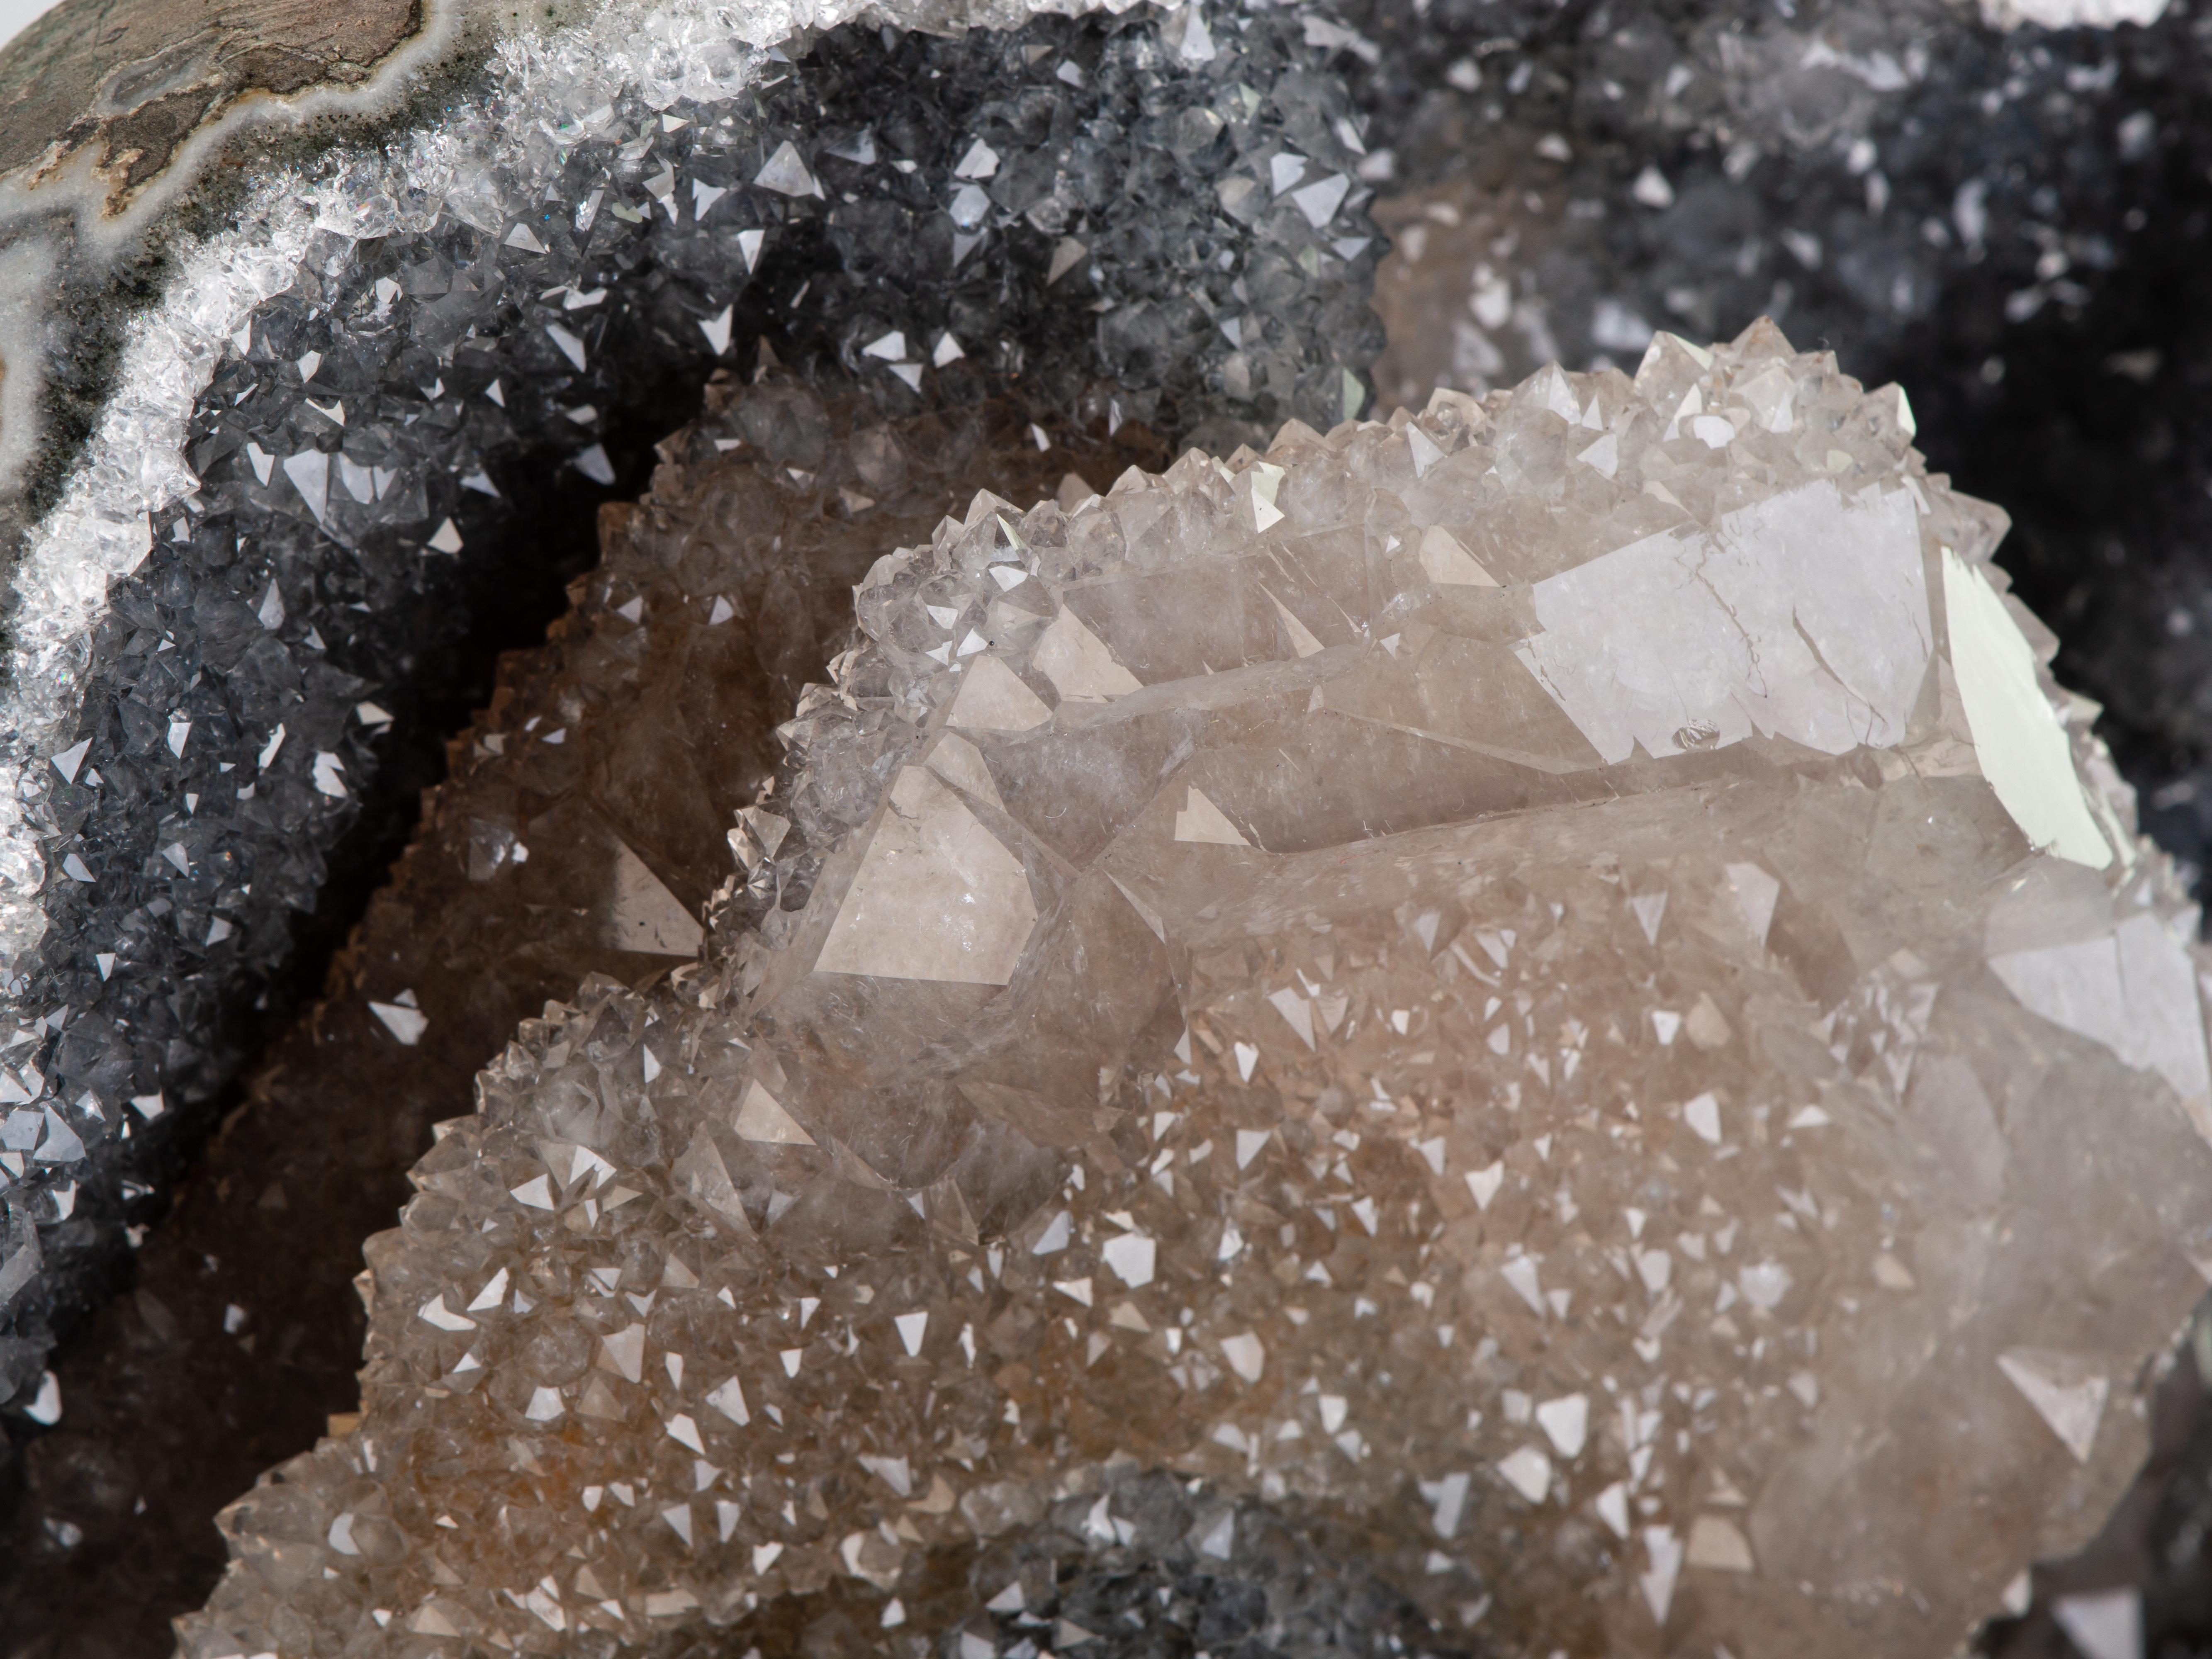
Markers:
point(125, 86)
point(1595, 882)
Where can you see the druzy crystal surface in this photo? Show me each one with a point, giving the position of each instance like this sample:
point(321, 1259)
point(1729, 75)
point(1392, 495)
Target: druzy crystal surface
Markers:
point(1548, 987)
point(305, 492)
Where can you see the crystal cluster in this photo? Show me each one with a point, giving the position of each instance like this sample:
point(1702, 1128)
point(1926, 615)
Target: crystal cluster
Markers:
point(582, 829)
point(1693, 165)
point(1154, 223)
point(586, 826)
point(1550, 983)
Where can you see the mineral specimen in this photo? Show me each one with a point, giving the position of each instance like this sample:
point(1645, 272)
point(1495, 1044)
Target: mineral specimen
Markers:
point(305, 488)
point(1548, 984)
point(561, 846)
point(2005, 222)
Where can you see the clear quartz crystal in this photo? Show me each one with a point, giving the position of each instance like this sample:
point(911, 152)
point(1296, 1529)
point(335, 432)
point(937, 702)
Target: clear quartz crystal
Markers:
point(1551, 980)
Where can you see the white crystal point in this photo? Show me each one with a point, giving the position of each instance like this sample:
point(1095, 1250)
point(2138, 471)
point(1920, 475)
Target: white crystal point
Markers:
point(1219, 1540)
point(435, 1312)
point(1298, 1011)
point(937, 897)
point(1149, 914)
point(2105, 1625)
point(1528, 1472)
point(644, 916)
point(310, 473)
point(1423, 448)
point(1246, 1354)
point(1521, 1272)
point(1655, 364)
point(1663, 1551)
point(1261, 484)
point(1716, 1545)
point(1449, 565)
point(1604, 455)
point(730, 1399)
point(1548, 389)
point(786, 174)
point(2023, 750)
point(762, 1117)
point(571, 346)
point(993, 698)
point(702, 1175)
point(2065, 1392)
point(1131, 1257)
point(404, 1023)
point(1320, 200)
point(1199, 820)
point(430, 1621)
point(1078, 665)
point(1703, 1115)
point(1611, 1506)
point(1566, 1422)
point(981, 161)
point(1448, 1496)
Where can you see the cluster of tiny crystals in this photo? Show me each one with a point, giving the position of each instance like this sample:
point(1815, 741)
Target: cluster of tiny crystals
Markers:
point(342, 385)
point(1551, 982)
point(1875, 161)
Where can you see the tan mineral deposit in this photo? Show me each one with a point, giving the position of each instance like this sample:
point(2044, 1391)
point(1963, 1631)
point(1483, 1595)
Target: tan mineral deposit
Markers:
point(1548, 988)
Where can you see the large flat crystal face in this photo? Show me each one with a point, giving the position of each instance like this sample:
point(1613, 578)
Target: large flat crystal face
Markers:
point(1548, 984)
point(1804, 617)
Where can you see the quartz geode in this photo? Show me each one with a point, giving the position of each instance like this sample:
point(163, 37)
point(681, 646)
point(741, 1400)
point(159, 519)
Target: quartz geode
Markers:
point(1548, 988)
point(305, 488)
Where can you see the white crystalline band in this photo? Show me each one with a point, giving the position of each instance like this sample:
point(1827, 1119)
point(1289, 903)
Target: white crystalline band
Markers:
point(488, 157)
point(133, 467)
point(2072, 14)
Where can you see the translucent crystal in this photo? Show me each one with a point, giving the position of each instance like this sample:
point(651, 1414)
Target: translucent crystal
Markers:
point(1661, 1197)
